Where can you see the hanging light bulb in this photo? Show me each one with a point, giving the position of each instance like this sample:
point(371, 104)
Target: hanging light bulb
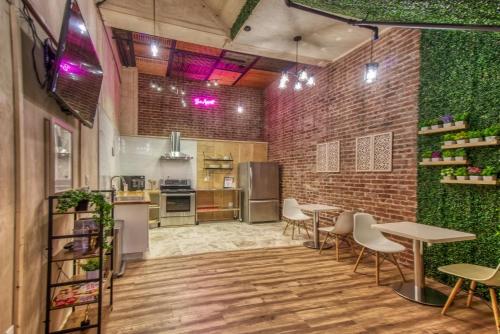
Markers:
point(183, 92)
point(154, 49)
point(282, 84)
point(153, 85)
point(172, 87)
point(159, 88)
point(239, 109)
point(371, 71)
point(284, 77)
point(311, 82)
point(216, 83)
point(303, 75)
point(297, 86)
point(183, 102)
point(209, 84)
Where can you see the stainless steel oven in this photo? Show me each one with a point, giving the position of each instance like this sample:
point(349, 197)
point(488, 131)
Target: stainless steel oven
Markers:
point(177, 205)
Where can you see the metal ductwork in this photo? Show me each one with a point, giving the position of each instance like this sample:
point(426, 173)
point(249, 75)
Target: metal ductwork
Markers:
point(175, 148)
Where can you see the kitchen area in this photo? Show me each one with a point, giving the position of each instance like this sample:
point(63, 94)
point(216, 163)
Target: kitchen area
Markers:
point(180, 196)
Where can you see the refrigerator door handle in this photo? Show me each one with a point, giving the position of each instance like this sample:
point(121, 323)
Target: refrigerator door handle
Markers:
point(250, 180)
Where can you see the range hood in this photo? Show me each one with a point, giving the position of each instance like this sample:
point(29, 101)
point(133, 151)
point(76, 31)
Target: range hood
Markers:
point(175, 149)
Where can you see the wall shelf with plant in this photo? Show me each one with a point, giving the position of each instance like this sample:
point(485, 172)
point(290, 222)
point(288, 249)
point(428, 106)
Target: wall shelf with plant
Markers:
point(446, 123)
point(470, 175)
point(475, 138)
point(446, 157)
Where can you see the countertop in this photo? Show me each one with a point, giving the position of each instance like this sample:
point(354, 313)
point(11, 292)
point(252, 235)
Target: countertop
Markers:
point(144, 194)
point(217, 189)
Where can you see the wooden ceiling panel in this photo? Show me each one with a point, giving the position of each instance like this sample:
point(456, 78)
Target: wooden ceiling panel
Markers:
point(144, 51)
point(258, 78)
point(224, 77)
point(151, 66)
point(272, 65)
point(196, 48)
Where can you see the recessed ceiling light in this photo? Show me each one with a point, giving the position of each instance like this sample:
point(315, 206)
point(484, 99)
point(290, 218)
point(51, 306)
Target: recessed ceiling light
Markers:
point(247, 28)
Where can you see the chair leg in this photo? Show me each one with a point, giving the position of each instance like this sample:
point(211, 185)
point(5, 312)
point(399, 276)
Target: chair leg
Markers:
point(305, 228)
point(337, 247)
point(324, 242)
point(377, 268)
point(298, 227)
point(287, 223)
point(470, 294)
point(399, 268)
point(359, 259)
point(494, 306)
point(452, 296)
point(293, 230)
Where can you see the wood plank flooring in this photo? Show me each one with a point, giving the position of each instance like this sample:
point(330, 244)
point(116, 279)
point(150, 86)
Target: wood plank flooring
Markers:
point(280, 290)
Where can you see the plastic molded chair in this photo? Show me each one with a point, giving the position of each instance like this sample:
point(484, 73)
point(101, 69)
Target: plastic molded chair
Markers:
point(476, 274)
point(375, 241)
point(343, 227)
point(293, 215)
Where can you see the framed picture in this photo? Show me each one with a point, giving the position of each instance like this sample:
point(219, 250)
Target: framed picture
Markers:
point(228, 182)
point(59, 153)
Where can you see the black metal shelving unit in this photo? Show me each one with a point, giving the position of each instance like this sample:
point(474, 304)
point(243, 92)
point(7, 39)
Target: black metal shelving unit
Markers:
point(104, 281)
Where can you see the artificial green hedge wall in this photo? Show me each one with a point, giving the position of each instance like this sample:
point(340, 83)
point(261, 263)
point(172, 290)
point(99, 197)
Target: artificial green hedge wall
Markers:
point(460, 71)
point(245, 12)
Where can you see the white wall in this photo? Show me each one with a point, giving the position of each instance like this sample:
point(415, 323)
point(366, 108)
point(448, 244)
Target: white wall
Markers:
point(141, 156)
point(109, 151)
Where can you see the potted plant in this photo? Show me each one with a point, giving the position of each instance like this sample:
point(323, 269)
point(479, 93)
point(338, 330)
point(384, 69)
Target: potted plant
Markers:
point(461, 173)
point(437, 124)
point(91, 268)
point(462, 118)
point(474, 173)
point(448, 155)
point(436, 156)
point(447, 120)
point(489, 173)
point(475, 136)
point(491, 133)
point(426, 155)
point(78, 199)
point(449, 139)
point(461, 137)
point(448, 174)
point(460, 154)
point(425, 125)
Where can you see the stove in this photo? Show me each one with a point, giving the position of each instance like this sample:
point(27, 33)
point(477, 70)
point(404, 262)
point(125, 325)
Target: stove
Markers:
point(177, 202)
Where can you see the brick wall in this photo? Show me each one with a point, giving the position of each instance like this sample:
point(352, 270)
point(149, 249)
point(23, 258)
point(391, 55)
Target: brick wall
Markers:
point(342, 107)
point(161, 112)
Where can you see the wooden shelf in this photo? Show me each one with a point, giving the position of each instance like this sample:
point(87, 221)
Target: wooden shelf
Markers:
point(478, 182)
point(79, 279)
point(74, 212)
point(443, 129)
point(69, 236)
point(52, 308)
point(217, 159)
point(220, 168)
point(478, 144)
point(203, 210)
point(68, 255)
point(443, 163)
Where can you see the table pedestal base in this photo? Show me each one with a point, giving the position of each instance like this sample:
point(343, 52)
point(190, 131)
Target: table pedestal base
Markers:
point(310, 244)
point(425, 295)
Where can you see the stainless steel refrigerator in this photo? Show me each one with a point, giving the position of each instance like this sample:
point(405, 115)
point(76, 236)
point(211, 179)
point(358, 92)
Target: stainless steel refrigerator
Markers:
point(259, 182)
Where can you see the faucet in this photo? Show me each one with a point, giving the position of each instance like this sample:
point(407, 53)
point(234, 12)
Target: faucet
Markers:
point(121, 179)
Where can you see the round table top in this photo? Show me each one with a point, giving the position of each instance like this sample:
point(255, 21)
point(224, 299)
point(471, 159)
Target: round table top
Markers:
point(317, 207)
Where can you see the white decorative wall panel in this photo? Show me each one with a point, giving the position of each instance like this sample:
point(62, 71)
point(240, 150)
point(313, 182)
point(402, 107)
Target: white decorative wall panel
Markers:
point(374, 153)
point(328, 157)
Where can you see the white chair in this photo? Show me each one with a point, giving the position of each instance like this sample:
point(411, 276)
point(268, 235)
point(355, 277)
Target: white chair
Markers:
point(293, 215)
point(375, 241)
point(341, 230)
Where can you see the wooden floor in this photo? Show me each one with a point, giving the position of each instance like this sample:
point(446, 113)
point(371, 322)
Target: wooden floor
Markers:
point(283, 290)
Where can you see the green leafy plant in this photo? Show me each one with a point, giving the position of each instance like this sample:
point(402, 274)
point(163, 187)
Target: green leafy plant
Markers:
point(461, 135)
point(449, 137)
point(474, 134)
point(460, 153)
point(461, 171)
point(71, 199)
point(447, 172)
point(90, 265)
point(491, 131)
point(448, 153)
point(462, 117)
point(427, 154)
point(489, 171)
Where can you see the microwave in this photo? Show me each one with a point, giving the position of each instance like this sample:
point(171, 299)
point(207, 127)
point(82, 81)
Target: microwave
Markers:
point(134, 182)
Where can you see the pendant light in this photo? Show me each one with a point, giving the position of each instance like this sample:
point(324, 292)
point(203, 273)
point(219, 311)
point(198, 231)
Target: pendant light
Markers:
point(301, 76)
point(239, 107)
point(154, 44)
point(371, 69)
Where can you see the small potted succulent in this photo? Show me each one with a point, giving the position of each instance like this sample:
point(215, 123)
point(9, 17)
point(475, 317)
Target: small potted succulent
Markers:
point(462, 137)
point(460, 154)
point(448, 174)
point(489, 173)
point(491, 133)
point(425, 125)
point(448, 155)
point(461, 173)
point(437, 124)
point(91, 268)
point(436, 156)
point(426, 156)
point(449, 139)
point(475, 136)
point(462, 118)
point(447, 120)
point(474, 173)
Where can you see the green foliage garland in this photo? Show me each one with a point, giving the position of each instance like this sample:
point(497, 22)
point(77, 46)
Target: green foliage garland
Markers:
point(245, 12)
point(460, 72)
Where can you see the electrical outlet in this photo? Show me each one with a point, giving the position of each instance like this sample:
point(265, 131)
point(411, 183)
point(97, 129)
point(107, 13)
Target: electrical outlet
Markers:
point(10, 330)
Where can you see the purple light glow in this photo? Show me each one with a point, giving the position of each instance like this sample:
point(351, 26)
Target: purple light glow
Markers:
point(70, 68)
point(204, 101)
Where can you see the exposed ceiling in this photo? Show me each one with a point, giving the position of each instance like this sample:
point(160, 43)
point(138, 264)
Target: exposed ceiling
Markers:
point(178, 59)
point(208, 22)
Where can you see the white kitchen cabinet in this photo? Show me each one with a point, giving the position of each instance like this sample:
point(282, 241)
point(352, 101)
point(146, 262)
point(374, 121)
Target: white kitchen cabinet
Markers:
point(135, 218)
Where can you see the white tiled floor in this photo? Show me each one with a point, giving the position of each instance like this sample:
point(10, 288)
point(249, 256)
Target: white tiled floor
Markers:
point(219, 236)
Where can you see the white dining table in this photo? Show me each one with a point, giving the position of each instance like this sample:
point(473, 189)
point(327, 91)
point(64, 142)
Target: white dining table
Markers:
point(316, 209)
point(420, 233)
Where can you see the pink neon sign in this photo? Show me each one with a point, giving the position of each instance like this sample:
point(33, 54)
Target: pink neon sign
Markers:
point(203, 101)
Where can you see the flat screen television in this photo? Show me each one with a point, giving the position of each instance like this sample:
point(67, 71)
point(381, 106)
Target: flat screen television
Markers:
point(76, 74)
